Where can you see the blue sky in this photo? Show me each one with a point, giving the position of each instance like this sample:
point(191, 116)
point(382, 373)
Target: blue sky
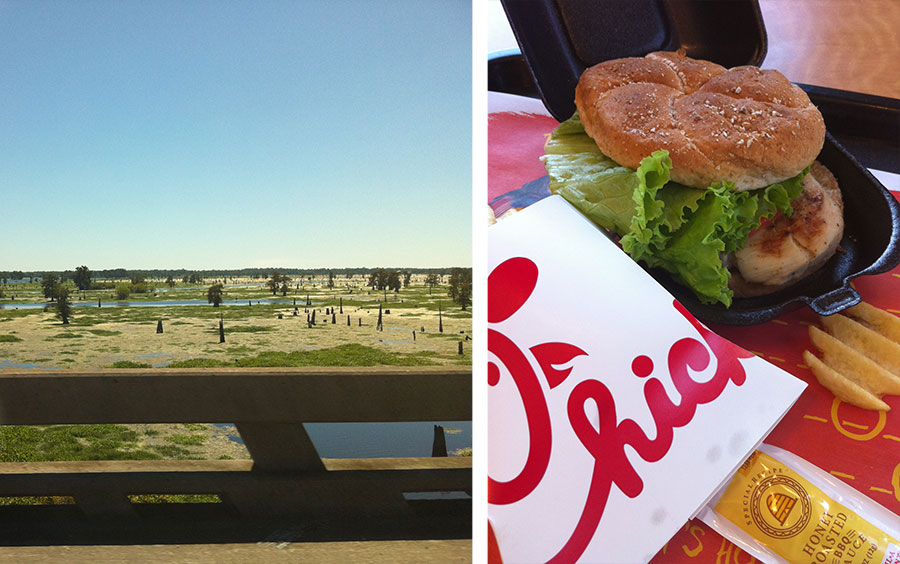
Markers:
point(235, 134)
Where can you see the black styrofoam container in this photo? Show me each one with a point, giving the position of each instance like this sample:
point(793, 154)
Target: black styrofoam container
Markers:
point(561, 38)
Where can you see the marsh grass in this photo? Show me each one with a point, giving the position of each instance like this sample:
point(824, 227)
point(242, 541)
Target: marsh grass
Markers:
point(103, 332)
point(242, 329)
point(175, 498)
point(186, 440)
point(26, 443)
point(65, 335)
point(341, 355)
point(198, 363)
point(10, 314)
point(130, 364)
point(125, 331)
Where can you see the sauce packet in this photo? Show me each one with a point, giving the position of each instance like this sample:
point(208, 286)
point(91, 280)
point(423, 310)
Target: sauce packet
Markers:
point(781, 509)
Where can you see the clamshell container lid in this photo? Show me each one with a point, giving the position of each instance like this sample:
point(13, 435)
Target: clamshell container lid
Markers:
point(559, 39)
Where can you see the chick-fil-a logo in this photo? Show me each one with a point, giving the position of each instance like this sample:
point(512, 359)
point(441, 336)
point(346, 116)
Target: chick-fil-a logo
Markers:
point(510, 285)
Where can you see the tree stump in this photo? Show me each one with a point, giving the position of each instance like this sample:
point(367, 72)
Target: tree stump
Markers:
point(221, 330)
point(439, 445)
point(460, 348)
point(159, 328)
point(333, 318)
point(348, 321)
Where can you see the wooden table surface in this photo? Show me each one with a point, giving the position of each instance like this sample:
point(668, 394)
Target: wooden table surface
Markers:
point(845, 44)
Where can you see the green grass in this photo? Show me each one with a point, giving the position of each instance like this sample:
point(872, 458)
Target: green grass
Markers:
point(20, 443)
point(186, 440)
point(341, 355)
point(240, 349)
point(104, 332)
point(247, 329)
point(130, 364)
point(10, 314)
point(65, 335)
point(9, 339)
point(197, 363)
point(170, 451)
point(175, 498)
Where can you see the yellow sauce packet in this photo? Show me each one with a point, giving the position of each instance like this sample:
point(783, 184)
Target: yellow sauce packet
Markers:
point(782, 509)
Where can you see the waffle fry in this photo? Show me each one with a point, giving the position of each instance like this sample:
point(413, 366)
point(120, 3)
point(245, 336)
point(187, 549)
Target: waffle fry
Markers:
point(860, 356)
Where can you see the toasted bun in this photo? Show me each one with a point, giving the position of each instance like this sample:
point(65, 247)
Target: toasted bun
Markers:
point(744, 125)
point(790, 248)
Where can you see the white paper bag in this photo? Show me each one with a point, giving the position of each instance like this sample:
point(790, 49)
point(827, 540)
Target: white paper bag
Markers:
point(613, 414)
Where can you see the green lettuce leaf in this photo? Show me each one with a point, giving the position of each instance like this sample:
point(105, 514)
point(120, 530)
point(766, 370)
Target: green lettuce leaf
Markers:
point(592, 182)
point(662, 223)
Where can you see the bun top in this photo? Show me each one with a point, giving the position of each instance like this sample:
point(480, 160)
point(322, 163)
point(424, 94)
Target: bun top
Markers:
point(748, 126)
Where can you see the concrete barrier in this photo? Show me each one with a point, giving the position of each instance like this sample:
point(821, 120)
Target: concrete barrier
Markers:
point(268, 405)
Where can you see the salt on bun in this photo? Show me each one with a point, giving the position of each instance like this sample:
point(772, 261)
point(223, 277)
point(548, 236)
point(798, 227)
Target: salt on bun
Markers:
point(744, 125)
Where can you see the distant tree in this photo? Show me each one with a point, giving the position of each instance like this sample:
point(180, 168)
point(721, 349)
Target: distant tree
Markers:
point(63, 305)
point(274, 281)
point(82, 278)
point(123, 290)
point(330, 279)
point(407, 276)
point(380, 279)
point(170, 282)
point(48, 285)
point(393, 280)
point(137, 279)
point(461, 286)
point(431, 281)
point(284, 288)
point(214, 294)
point(185, 279)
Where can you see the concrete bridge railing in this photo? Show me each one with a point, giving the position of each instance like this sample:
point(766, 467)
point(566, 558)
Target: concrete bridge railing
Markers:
point(268, 405)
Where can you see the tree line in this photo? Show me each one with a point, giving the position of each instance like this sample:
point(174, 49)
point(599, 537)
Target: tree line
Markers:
point(53, 288)
point(176, 274)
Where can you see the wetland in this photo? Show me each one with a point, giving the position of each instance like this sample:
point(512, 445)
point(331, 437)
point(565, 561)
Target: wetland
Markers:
point(308, 322)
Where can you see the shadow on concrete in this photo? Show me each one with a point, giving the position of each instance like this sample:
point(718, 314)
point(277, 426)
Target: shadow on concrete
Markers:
point(211, 523)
